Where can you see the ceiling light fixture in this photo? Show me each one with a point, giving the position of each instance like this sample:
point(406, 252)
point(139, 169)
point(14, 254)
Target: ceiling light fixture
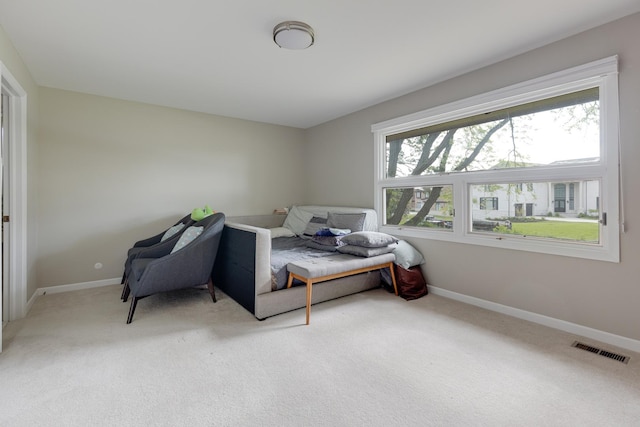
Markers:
point(293, 35)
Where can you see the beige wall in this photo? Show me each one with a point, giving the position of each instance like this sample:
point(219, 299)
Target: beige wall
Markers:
point(111, 172)
point(594, 294)
point(13, 63)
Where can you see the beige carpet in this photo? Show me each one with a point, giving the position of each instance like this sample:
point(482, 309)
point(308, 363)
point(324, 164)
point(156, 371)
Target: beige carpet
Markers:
point(370, 359)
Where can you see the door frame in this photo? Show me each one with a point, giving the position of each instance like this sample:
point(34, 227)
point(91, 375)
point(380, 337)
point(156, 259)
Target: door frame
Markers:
point(18, 193)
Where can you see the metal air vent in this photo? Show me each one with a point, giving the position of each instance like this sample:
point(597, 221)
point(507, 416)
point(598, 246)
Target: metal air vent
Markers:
point(605, 353)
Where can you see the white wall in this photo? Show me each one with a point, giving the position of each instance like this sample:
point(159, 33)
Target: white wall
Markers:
point(599, 295)
point(112, 172)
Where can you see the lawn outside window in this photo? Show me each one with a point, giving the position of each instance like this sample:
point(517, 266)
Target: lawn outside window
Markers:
point(530, 167)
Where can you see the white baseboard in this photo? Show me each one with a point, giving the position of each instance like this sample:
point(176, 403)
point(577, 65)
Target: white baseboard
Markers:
point(573, 328)
point(605, 337)
point(68, 288)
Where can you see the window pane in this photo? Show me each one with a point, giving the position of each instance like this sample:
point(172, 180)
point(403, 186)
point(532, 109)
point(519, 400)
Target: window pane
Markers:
point(555, 131)
point(565, 211)
point(420, 206)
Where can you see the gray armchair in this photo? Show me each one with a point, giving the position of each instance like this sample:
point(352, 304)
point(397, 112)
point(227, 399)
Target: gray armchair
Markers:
point(142, 247)
point(153, 240)
point(160, 270)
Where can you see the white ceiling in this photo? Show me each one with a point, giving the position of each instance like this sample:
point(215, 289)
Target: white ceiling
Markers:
point(218, 57)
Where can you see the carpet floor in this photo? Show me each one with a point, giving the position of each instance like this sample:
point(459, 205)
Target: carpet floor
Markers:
point(369, 359)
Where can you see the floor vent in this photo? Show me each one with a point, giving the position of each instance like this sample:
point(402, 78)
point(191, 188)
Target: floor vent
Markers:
point(605, 353)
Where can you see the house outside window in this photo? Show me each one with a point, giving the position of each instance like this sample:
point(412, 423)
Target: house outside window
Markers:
point(538, 160)
point(489, 203)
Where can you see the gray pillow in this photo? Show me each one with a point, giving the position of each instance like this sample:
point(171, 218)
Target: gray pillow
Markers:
point(281, 232)
point(315, 245)
point(315, 224)
point(297, 220)
point(328, 240)
point(406, 255)
point(365, 252)
point(369, 239)
point(352, 221)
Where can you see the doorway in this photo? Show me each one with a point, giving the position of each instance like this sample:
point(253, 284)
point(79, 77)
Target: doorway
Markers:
point(14, 197)
point(4, 156)
point(559, 198)
point(518, 209)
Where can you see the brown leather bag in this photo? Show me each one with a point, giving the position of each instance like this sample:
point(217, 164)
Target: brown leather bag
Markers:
point(411, 283)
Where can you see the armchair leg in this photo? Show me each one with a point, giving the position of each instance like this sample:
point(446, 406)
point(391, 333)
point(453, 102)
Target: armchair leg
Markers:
point(125, 291)
point(124, 276)
point(212, 290)
point(132, 309)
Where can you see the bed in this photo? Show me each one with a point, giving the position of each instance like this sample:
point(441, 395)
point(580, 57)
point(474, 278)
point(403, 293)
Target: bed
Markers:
point(251, 265)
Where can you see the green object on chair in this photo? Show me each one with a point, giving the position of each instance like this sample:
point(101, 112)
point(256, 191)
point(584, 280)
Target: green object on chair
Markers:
point(198, 213)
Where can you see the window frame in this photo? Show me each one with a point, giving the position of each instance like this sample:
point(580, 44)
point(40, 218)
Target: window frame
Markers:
point(602, 74)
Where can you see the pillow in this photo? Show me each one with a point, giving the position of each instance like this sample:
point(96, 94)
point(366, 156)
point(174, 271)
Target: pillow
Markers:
point(281, 232)
point(352, 221)
point(316, 245)
point(297, 220)
point(364, 252)
point(314, 225)
point(187, 237)
point(407, 256)
point(172, 231)
point(328, 240)
point(369, 239)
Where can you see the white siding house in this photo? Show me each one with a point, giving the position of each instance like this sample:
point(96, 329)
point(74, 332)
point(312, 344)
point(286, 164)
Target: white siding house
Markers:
point(567, 199)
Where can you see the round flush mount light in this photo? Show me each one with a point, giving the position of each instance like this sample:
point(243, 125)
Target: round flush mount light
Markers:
point(293, 35)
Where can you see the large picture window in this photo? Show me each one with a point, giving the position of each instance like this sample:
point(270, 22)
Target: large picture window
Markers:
point(532, 167)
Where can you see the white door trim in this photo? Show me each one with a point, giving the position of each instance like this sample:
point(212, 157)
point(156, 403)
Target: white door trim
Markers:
point(18, 194)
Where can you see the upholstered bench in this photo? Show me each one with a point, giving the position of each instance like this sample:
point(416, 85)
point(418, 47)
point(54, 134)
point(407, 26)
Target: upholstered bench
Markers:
point(316, 270)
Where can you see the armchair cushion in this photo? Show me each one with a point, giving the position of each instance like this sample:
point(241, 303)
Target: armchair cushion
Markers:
point(172, 231)
point(187, 237)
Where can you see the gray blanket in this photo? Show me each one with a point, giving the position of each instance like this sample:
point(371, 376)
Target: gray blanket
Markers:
point(285, 250)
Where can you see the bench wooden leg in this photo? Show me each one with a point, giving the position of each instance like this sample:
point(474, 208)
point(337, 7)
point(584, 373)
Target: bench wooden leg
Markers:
point(393, 278)
point(309, 288)
point(309, 281)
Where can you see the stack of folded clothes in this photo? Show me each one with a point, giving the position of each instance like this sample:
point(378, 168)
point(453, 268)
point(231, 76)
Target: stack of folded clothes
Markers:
point(328, 239)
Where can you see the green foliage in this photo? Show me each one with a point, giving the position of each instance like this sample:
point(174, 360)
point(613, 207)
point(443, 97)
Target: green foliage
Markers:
point(502, 229)
point(589, 216)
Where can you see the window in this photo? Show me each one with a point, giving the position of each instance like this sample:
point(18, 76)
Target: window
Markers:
point(489, 203)
point(529, 167)
point(429, 207)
